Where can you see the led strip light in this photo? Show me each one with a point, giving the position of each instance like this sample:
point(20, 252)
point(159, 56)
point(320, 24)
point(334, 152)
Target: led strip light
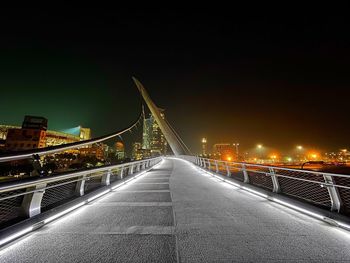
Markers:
point(323, 218)
point(27, 230)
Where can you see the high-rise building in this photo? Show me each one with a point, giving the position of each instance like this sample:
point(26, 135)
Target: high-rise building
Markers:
point(153, 138)
point(204, 147)
point(147, 133)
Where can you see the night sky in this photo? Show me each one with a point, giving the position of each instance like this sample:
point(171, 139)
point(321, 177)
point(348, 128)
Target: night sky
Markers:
point(280, 80)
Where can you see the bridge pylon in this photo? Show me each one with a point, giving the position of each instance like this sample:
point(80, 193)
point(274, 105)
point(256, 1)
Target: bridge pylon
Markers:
point(174, 141)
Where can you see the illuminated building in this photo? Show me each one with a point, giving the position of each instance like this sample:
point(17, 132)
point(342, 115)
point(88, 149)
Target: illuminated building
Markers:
point(53, 138)
point(32, 135)
point(119, 151)
point(153, 139)
point(147, 133)
point(85, 134)
point(57, 138)
point(158, 142)
point(97, 151)
point(223, 151)
point(146, 153)
point(136, 152)
point(204, 146)
point(3, 134)
point(4, 129)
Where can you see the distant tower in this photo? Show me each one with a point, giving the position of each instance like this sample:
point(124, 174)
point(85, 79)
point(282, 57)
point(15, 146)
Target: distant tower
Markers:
point(204, 146)
point(147, 133)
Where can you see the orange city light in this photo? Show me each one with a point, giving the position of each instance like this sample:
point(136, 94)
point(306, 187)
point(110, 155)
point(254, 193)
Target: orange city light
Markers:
point(229, 158)
point(313, 155)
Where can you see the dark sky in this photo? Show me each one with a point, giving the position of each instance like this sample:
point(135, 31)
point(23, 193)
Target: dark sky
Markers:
point(279, 80)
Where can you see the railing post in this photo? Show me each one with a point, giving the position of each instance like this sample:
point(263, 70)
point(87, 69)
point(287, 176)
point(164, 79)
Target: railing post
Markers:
point(121, 173)
point(245, 174)
point(209, 165)
point(80, 186)
point(228, 169)
point(143, 165)
point(31, 204)
point(216, 166)
point(131, 169)
point(333, 193)
point(276, 185)
point(200, 162)
point(106, 178)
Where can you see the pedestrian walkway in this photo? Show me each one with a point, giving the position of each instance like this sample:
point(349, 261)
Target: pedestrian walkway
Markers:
point(174, 213)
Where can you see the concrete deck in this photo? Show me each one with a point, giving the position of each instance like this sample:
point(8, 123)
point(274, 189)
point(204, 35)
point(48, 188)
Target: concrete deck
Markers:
point(175, 213)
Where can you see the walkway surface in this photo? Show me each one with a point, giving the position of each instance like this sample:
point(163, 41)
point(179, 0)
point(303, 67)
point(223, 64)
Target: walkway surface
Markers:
point(176, 213)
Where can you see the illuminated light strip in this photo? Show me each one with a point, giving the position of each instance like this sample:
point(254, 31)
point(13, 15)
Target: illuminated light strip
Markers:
point(343, 225)
point(298, 208)
point(16, 235)
point(98, 195)
point(127, 181)
point(284, 203)
point(60, 214)
point(47, 220)
point(237, 186)
point(131, 179)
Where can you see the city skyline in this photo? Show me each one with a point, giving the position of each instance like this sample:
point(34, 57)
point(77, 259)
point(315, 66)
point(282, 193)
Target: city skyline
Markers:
point(251, 79)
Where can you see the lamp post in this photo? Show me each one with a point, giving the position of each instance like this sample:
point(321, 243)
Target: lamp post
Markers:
point(299, 150)
point(236, 145)
point(260, 147)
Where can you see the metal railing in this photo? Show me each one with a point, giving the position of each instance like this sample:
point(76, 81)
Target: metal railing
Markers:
point(27, 198)
point(326, 190)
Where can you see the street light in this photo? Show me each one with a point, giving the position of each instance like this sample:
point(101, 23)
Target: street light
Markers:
point(273, 157)
point(300, 150)
point(260, 147)
point(236, 145)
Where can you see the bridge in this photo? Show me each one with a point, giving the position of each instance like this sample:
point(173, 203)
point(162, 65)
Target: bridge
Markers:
point(180, 208)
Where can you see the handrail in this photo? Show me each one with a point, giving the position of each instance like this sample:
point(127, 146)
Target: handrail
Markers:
point(279, 168)
point(27, 198)
point(11, 186)
point(326, 189)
